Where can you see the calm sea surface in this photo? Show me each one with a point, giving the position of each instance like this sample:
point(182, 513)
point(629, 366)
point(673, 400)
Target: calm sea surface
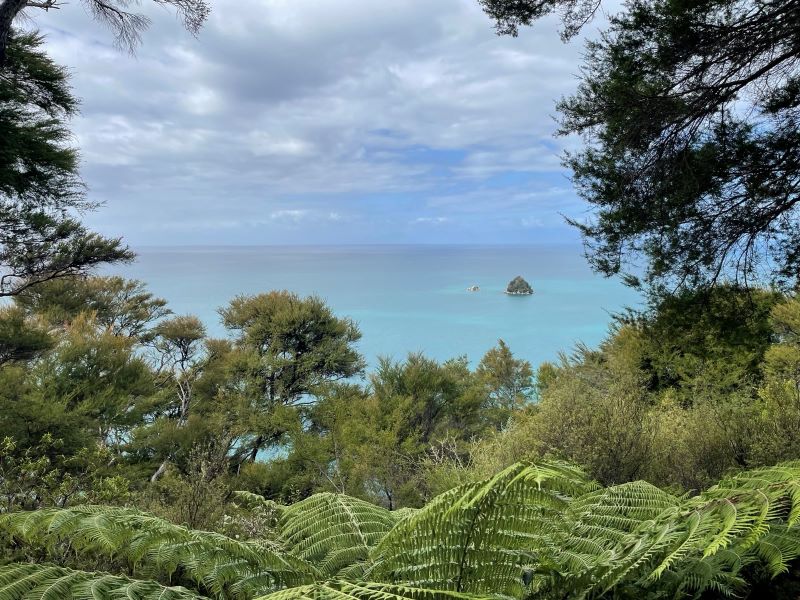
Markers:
point(405, 298)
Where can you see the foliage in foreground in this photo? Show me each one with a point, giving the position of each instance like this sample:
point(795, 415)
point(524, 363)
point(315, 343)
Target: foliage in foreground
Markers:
point(540, 530)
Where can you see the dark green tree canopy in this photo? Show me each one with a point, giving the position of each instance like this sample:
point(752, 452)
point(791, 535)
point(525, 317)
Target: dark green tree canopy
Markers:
point(689, 111)
point(286, 348)
point(37, 166)
point(298, 343)
point(40, 190)
point(510, 15)
point(711, 337)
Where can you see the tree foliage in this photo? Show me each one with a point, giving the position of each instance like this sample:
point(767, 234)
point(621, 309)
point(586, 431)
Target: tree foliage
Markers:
point(127, 26)
point(123, 307)
point(286, 348)
point(509, 16)
point(40, 190)
point(689, 113)
point(21, 338)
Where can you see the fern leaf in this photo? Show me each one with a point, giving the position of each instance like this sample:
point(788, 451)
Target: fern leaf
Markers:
point(26, 581)
point(476, 538)
point(334, 531)
point(345, 590)
point(156, 549)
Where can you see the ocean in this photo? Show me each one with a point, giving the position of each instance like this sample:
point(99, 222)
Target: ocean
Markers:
point(405, 298)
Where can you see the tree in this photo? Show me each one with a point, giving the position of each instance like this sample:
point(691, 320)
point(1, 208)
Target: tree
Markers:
point(96, 377)
point(413, 406)
point(40, 191)
point(382, 442)
point(326, 452)
point(509, 381)
point(287, 347)
point(40, 475)
point(689, 111)
point(707, 341)
point(124, 307)
point(595, 411)
point(509, 15)
point(127, 26)
point(21, 338)
point(179, 344)
point(779, 395)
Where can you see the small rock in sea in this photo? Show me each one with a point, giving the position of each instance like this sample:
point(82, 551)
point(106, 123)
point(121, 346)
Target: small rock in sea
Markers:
point(519, 287)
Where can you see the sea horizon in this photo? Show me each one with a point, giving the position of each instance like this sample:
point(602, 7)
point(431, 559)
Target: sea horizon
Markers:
point(405, 297)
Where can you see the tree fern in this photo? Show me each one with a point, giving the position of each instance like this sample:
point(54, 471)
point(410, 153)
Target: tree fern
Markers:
point(477, 538)
point(687, 546)
point(158, 549)
point(334, 531)
point(346, 590)
point(26, 581)
point(534, 530)
point(543, 527)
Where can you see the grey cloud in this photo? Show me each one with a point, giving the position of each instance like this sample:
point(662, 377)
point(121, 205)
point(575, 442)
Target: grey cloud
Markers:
point(310, 104)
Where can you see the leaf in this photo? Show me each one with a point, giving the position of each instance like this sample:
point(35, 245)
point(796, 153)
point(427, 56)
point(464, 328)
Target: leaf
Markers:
point(27, 581)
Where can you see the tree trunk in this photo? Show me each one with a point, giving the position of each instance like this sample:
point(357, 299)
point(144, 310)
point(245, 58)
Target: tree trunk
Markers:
point(8, 10)
point(159, 472)
point(256, 448)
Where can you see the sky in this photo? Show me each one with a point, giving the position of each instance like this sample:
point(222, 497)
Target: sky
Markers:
point(322, 122)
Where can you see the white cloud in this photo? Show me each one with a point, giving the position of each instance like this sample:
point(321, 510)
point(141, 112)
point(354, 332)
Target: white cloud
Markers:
point(340, 106)
point(432, 220)
point(294, 215)
point(532, 222)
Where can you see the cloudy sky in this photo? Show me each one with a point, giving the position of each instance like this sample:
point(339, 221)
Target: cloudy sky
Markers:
point(322, 121)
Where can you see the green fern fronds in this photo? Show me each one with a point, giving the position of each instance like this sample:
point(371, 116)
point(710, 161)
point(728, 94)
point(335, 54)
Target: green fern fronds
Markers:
point(158, 549)
point(346, 590)
point(698, 544)
point(334, 531)
point(26, 581)
point(545, 529)
point(533, 530)
point(479, 538)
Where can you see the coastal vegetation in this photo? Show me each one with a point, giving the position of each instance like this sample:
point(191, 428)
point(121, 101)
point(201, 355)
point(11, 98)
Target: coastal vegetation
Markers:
point(136, 447)
point(562, 536)
point(141, 457)
point(40, 188)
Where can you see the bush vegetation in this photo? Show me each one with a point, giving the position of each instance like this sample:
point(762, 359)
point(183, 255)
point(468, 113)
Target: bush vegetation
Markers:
point(142, 458)
point(235, 447)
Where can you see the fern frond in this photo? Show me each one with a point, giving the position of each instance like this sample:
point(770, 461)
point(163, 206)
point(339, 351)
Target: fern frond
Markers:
point(156, 548)
point(477, 538)
point(26, 581)
point(535, 530)
point(532, 525)
point(334, 531)
point(346, 590)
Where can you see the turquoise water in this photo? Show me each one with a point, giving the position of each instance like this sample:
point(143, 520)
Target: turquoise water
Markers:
point(405, 298)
